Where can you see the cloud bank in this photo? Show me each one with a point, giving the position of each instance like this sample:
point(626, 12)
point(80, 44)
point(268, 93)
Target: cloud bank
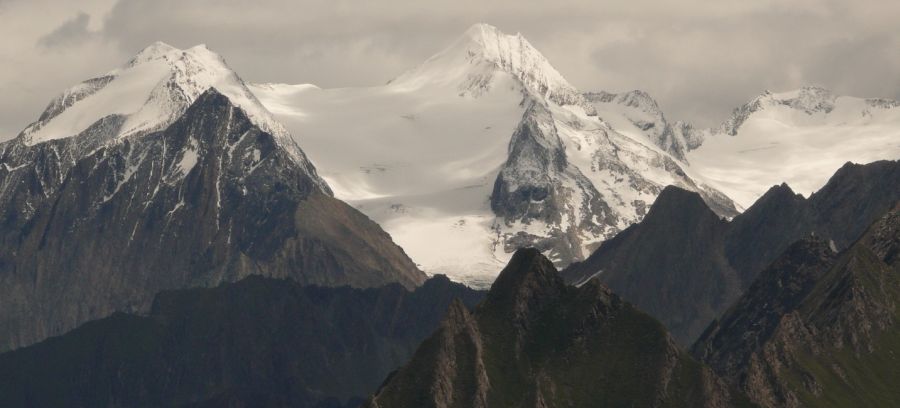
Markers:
point(700, 59)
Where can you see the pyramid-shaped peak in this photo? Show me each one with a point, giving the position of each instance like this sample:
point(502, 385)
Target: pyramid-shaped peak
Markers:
point(480, 31)
point(156, 49)
point(147, 94)
point(160, 51)
point(472, 62)
point(513, 53)
point(528, 277)
point(673, 200)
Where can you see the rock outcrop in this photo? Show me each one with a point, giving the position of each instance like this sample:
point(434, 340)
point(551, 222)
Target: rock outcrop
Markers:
point(817, 329)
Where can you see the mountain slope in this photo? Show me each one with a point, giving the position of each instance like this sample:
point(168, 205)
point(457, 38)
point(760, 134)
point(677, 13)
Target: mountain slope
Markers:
point(266, 341)
point(424, 154)
point(817, 329)
point(536, 342)
point(211, 198)
point(685, 266)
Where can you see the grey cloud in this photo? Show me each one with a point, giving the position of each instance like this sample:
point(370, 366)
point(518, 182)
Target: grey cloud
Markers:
point(71, 32)
point(699, 58)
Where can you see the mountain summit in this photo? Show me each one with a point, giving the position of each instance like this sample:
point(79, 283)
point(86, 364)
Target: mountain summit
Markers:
point(152, 90)
point(473, 61)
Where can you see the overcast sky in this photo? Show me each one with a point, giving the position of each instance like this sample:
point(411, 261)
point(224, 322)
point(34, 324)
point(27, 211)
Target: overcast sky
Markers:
point(700, 59)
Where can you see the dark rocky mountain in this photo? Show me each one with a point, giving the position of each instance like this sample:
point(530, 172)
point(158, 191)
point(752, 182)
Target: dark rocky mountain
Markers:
point(672, 264)
point(210, 199)
point(685, 266)
point(535, 341)
point(537, 184)
point(257, 342)
point(817, 329)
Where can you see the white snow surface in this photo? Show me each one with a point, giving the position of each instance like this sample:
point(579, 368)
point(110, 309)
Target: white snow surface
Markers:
point(152, 91)
point(471, 63)
point(799, 137)
point(420, 162)
point(420, 154)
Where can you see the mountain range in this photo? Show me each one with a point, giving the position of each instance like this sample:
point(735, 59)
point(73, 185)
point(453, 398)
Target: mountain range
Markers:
point(171, 235)
point(482, 149)
point(685, 265)
point(488, 147)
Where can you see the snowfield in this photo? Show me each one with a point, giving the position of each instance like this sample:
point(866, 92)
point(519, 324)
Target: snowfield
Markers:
point(801, 144)
point(419, 161)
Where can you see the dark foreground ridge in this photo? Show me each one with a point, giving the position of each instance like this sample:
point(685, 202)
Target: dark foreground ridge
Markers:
point(257, 342)
point(537, 342)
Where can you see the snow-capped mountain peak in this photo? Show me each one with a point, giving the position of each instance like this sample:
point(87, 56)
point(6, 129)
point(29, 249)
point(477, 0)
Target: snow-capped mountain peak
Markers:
point(473, 62)
point(147, 94)
point(808, 101)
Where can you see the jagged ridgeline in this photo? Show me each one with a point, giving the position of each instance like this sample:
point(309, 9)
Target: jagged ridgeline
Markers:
point(685, 265)
point(535, 341)
point(186, 188)
point(817, 328)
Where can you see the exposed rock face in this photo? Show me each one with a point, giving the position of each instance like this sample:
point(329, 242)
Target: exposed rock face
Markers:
point(817, 329)
point(685, 266)
point(259, 341)
point(727, 345)
point(210, 199)
point(543, 200)
point(536, 342)
point(809, 100)
point(538, 186)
